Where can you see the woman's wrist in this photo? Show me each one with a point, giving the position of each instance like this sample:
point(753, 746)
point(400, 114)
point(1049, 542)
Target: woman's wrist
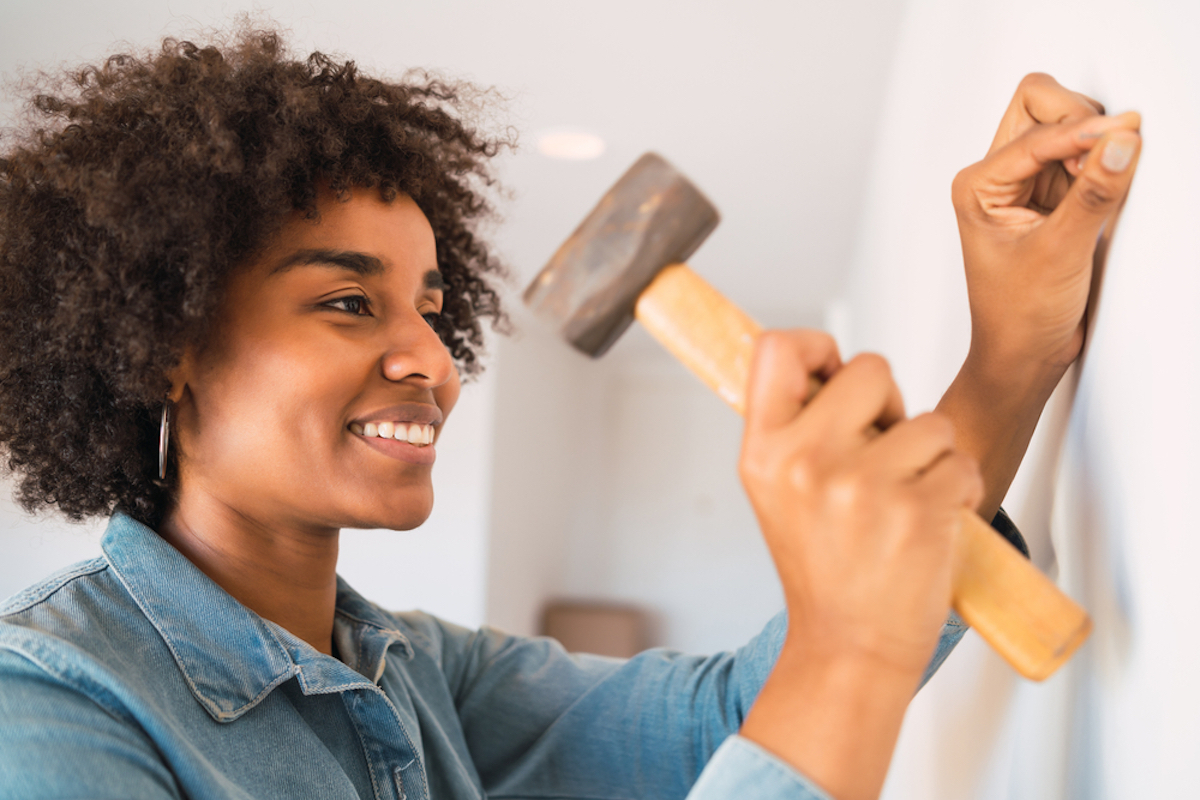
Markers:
point(834, 717)
point(1014, 376)
point(995, 404)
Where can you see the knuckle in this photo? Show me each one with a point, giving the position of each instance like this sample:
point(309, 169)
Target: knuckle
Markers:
point(960, 187)
point(1093, 195)
point(846, 490)
point(938, 426)
point(766, 346)
point(779, 470)
point(873, 365)
point(754, 467)
point(805, 475)
point(821, 339)
point(802, 337)
point(1036, 80)
point(772, 338)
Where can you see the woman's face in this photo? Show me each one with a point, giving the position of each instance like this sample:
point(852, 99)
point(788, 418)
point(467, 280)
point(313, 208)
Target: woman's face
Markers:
point(324, 343)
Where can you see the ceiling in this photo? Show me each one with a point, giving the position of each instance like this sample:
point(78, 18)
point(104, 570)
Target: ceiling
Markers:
point(769, 107)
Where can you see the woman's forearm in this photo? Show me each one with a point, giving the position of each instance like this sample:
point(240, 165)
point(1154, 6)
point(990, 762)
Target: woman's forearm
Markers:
point(836, 721)
point(995, 412)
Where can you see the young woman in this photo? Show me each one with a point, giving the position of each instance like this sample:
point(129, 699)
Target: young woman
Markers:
point(237, 294)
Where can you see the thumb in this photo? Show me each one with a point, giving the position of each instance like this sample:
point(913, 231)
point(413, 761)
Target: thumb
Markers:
point(1100, 188)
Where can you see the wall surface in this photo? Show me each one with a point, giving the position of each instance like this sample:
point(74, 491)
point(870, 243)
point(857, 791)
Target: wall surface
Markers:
point(1105, 494)
point(624, 490)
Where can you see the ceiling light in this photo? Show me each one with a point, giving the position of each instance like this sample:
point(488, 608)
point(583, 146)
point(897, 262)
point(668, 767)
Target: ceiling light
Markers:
point(570, 144)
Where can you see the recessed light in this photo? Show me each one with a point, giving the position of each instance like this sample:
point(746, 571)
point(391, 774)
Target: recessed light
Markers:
point(570, 144)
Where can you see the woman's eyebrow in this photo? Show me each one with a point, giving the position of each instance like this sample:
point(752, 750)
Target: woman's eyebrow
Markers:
point(362, 263)
point(434, 280)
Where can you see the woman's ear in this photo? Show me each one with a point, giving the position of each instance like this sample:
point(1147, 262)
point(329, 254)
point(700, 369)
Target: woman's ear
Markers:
point(181, 375)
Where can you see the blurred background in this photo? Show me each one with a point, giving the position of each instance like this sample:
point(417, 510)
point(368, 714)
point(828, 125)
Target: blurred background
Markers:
point(827, 134)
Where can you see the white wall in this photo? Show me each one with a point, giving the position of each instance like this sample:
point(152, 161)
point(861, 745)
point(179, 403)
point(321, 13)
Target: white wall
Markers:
point(1105, 495)
point(34, 547)
point(623, 489)
point(548, 398)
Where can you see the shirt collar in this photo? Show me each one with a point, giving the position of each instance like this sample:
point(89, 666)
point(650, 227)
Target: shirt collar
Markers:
point(230, 657)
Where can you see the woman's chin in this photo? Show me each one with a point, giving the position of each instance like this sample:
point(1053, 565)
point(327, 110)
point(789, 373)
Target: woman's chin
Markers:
point(410, 516)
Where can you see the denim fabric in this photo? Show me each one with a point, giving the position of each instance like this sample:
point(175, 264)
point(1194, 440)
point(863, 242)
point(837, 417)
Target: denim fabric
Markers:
point(740, 764)
point(135, 676)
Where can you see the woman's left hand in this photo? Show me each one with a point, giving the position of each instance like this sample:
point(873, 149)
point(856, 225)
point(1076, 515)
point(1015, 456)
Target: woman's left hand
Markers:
point(1030, 215)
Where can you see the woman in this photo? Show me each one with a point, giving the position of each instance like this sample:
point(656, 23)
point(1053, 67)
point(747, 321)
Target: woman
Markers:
point(238, 295)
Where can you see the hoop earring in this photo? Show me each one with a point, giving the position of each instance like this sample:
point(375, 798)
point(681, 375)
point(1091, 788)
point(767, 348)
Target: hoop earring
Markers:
point(164, 439)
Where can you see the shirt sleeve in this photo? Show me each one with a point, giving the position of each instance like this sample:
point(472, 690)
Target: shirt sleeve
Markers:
point(739, 763)
point(58, 742)
point(541, 722)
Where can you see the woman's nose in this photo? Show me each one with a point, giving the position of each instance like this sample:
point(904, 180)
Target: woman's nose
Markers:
point(416, 354)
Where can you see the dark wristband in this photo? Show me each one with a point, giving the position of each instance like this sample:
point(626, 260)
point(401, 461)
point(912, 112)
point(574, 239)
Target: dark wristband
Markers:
point(1005, 527)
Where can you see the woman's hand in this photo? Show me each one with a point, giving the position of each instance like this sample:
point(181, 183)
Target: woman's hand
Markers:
point(1030, 215)
point(862, 526)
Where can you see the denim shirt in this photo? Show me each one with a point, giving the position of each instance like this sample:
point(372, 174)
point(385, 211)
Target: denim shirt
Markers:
point(135, 676)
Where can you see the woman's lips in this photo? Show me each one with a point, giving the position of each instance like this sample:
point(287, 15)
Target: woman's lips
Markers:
point(412, 432)
point(420, 413)
point(402, 451)
point(405, 431)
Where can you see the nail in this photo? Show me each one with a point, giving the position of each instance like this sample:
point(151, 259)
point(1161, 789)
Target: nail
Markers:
point(1117, 154)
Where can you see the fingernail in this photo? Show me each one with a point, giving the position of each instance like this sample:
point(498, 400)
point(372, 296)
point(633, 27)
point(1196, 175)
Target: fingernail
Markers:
point(1117, 154)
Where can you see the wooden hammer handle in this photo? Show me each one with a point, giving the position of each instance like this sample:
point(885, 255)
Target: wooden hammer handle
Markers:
point(999, 593)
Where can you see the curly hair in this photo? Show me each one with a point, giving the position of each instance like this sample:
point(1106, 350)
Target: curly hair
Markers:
point(142, 182)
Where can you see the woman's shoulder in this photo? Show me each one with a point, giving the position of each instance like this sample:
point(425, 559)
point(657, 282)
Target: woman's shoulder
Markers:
point(70, 618)
point(46, 589)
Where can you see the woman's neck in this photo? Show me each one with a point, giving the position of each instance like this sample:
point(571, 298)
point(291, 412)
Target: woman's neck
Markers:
point(282, 572)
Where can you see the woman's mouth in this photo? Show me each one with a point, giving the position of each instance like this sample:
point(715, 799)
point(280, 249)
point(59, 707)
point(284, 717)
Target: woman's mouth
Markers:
point(414, 433)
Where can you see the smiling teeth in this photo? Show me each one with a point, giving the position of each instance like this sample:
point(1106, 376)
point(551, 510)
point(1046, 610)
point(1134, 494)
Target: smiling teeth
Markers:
point(419, 435)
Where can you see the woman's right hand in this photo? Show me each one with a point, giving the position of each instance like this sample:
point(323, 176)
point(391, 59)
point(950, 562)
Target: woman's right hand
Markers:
point(861, 511)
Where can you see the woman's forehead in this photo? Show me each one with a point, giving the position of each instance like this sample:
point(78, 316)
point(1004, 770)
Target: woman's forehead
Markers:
point(361, 233)
point(356, 261)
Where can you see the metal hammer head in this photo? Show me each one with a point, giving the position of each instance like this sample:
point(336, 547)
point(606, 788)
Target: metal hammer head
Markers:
point(652, 217)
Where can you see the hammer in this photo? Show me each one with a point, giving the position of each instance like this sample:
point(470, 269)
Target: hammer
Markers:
point(626, 260)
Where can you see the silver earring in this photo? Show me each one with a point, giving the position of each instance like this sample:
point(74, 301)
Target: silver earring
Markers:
point(164, 439)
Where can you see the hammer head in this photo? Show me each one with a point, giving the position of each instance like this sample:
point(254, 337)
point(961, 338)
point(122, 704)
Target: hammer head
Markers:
point(652, 217)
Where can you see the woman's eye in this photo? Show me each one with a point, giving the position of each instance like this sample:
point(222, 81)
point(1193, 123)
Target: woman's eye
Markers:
point(352, 304)
point(432, 318)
